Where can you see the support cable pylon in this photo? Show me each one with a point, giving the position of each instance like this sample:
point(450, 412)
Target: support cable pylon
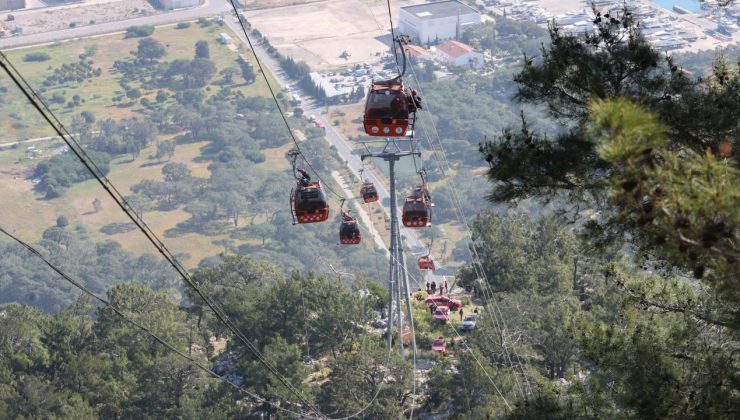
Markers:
point(398, 283)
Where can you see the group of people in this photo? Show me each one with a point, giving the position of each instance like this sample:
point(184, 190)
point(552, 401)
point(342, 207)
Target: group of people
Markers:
point(432, 287)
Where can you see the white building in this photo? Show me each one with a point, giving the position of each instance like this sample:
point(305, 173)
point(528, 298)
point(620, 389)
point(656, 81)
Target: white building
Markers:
point(325, 84)
point(12, 4)
point(432, 22)
point(224, 38)
point(177, 4)
point(419, 53)
point(459, 54)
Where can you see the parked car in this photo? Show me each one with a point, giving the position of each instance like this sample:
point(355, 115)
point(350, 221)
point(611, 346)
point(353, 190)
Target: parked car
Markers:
point(469, 322)
point(379, 323)
point(443, 300)
point(440, 345)
point(442, 314)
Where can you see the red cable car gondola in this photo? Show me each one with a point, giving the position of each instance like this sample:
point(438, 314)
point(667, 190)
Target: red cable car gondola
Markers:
point(308, 201)
point(417, 208)
point(390, 110)
point(349, 231)
point(426, 263)
point(368, 192)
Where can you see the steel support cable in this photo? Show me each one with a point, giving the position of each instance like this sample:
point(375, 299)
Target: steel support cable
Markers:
point(388, 355)
point(123, 316)
point(498, 391)
point(377, 389)
point(475, 257)
point(295, 141)
point(411, 315)
point(277, 103)
point(108, 186)
point(497, 319)
point(393, 36)
point(461, 217)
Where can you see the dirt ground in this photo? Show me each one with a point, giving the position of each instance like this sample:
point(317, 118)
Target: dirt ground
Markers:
point(97, 11)
point(319, 32)
point(260, 4)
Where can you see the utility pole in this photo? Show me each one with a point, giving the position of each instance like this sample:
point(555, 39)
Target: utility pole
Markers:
point(398, 282)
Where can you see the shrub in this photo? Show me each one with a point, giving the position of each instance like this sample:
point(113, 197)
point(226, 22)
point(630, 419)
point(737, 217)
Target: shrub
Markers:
point(161, 96)
point(255, 156)
point(182, 25)
point(58, 98)
point(62, 221)
point(36, 57)
point(139, 31)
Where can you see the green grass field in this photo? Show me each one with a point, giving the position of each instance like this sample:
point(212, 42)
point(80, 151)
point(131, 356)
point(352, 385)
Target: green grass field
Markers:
point(18, 120)
point(28, 213)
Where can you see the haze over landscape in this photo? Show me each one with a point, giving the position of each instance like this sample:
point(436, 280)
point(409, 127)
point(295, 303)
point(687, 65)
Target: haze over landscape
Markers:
point(369, 208)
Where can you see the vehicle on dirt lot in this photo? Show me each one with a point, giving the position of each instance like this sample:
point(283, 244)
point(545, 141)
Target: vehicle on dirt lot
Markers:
point(444, 300)
point(470, 322)
point(440, 345)
point(442, 314)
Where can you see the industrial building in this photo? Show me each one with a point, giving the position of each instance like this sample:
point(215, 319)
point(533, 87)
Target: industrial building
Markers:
point(439, 21)
point(12, 4)
point(176, 4)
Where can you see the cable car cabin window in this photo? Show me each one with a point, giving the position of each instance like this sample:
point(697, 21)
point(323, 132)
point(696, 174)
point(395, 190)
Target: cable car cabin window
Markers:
point(415, 208)
point(369, 193)
point(387, 104)
point(309, 194)
point(349, 229)
point(349, 233)
point(416, 213)
point(310, 199)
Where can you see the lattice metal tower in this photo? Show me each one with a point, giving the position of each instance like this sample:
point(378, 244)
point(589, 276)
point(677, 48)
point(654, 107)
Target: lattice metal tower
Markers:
point(398, 281)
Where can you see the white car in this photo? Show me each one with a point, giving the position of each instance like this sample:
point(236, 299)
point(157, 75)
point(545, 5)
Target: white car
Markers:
point(469, 322)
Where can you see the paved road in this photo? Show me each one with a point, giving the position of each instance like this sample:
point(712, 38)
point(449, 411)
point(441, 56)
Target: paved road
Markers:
point(15, 143)
point(208, 8)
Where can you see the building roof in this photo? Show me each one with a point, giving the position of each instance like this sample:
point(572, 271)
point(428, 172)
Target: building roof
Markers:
point(417, 51)
point(440, 9)
point(455, 49)
point(325, 84)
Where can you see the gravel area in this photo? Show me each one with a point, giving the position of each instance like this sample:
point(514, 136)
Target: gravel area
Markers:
point(79, 14)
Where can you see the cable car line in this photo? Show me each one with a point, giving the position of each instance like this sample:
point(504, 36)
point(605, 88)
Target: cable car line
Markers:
point(108, 186)
point(475, 257)
point(277, 103)
point(419, 283)
point(382, 381)
point(275, 98)
point(136, 324)
point(393, 37)
point(471, 352)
